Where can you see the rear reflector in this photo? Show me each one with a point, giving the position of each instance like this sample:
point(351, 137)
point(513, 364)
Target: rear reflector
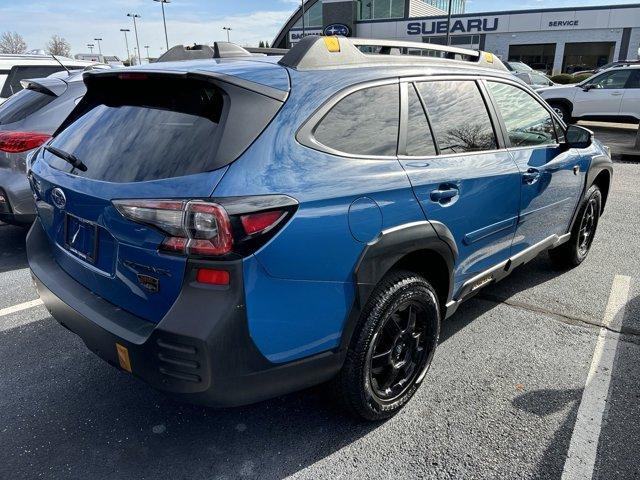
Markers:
point(213, 277)
point(17, 142)
point(260, 222)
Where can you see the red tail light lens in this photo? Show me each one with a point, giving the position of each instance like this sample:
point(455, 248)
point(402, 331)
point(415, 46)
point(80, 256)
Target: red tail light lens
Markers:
point(17, 142)
point(195, 227)
point(261, 222)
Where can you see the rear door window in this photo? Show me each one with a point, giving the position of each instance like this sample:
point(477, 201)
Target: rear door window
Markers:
point(419, 138)
point(458, 116)
point(22, 104)
point(364, 123)
point(148, 131)
point(528, 123)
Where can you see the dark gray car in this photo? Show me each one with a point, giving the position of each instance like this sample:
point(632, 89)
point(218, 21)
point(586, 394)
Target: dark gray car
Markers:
point(27, 120)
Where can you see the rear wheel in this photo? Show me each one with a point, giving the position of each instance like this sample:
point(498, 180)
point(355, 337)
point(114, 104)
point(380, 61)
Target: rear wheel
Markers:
point(573, 253)
point(562, 110)
point(392, 348)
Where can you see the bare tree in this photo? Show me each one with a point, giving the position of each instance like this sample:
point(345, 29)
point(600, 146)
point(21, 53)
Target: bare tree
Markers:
point(58, 46)
point(12, 42)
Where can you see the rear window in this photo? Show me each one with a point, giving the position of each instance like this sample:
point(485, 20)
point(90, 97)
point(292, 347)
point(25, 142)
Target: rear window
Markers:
point(363, 123)
point(144, 131)
point(22, 104)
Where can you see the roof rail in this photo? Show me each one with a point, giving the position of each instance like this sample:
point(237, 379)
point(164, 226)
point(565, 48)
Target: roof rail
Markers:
point(195, 52)
point(313, 52)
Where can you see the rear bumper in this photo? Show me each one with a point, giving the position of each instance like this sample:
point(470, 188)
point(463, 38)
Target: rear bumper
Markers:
point(14, 183)
point(201, 351)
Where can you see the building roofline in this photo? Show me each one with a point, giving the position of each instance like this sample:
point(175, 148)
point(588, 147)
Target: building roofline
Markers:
point(508, 12)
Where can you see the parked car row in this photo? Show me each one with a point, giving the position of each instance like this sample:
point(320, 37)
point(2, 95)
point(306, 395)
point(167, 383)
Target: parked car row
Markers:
point(236, 228)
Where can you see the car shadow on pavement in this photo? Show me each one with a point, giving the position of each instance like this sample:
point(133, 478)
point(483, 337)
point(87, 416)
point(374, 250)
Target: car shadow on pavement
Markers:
point(13, 252)
point(620, 432)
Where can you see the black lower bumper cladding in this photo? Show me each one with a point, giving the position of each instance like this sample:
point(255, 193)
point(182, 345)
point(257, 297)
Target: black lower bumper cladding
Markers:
point(201, 351)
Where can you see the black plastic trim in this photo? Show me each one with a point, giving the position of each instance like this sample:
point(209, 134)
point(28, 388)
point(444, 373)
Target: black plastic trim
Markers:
point(394, 244)
point(201, 351)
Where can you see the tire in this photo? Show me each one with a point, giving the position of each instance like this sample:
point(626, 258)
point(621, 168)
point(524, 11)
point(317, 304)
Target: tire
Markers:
point(384, 344)
point(562, 110)
point(573, 253)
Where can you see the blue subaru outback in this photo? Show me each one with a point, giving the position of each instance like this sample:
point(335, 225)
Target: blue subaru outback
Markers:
point(233, 229)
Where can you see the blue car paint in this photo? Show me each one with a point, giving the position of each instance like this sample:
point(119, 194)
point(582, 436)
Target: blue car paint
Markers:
point(483, 216)
point(547, 204)
point(300, 286)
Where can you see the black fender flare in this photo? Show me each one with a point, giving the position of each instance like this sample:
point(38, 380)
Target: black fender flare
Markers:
point(393, 244)
point(381, 254)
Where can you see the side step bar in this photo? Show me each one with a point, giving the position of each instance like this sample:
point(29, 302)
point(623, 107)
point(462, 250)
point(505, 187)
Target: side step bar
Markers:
point(503, 269)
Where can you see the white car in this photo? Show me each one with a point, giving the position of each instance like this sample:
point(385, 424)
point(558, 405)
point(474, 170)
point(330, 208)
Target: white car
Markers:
point(611, 95)
point(14, 68)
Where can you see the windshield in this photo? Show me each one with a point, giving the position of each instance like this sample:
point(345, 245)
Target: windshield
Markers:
point(148, 131)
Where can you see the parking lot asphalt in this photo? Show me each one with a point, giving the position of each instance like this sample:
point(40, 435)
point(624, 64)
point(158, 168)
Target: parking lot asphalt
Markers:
point(503, 399)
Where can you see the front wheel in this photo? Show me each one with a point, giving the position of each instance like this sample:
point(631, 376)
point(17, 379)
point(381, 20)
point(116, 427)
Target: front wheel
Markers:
point(392, 347)
point(573, 253)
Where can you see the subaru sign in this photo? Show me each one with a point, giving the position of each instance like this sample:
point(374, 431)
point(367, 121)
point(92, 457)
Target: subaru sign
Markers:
point(337, 29)
point(457, 26)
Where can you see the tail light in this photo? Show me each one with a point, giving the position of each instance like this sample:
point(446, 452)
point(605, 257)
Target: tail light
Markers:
point(203, 228)
point(17, 142)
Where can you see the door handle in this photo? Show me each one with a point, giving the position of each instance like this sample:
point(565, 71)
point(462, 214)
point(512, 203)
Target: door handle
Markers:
point(444, 194)
point(616, 94)
point(531, 176)
point(576, 169)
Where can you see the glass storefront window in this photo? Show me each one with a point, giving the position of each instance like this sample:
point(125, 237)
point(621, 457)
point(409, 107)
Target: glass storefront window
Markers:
point(377, 9)
point(312, 17)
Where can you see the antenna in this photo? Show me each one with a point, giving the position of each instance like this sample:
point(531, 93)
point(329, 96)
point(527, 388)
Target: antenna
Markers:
point(61, 64)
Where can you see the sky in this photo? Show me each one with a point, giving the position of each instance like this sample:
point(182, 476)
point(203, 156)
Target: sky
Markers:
point(188, 21)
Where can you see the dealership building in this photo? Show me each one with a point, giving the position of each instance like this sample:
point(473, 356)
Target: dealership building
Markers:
point(555, 39)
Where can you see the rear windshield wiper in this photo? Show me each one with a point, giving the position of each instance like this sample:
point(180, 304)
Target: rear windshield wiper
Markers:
point(67, 157)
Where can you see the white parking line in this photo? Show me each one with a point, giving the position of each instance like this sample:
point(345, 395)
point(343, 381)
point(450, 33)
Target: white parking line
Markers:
point(581, 457)
point(20, 307)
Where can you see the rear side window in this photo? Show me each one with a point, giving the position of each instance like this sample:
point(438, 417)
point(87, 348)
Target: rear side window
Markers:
point(528, 123)
point(146, 131)
point(419, 137)
point(22, 104)
point(12, 84)
point(363, 123)
point(458, 116)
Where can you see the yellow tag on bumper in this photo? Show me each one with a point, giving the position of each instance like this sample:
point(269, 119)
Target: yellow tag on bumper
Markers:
point(123, 357)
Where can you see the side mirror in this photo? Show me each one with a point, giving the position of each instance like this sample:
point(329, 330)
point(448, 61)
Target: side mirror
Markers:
point(578, 137)
point(588, 87)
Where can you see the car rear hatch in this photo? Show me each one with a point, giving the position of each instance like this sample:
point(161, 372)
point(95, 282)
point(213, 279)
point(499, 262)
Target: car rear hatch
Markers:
point(142, 143)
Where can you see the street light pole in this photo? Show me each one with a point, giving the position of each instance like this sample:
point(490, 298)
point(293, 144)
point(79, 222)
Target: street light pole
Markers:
point(164, 20)
point(147, 47)
point(99, 47)
point(126, 41)
point(135, 29)
point(228, 29)
point(90, 45)
point(449, 23)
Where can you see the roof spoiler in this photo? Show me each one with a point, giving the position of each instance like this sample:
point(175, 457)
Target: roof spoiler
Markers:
point(48, 86)
point(314, 52)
